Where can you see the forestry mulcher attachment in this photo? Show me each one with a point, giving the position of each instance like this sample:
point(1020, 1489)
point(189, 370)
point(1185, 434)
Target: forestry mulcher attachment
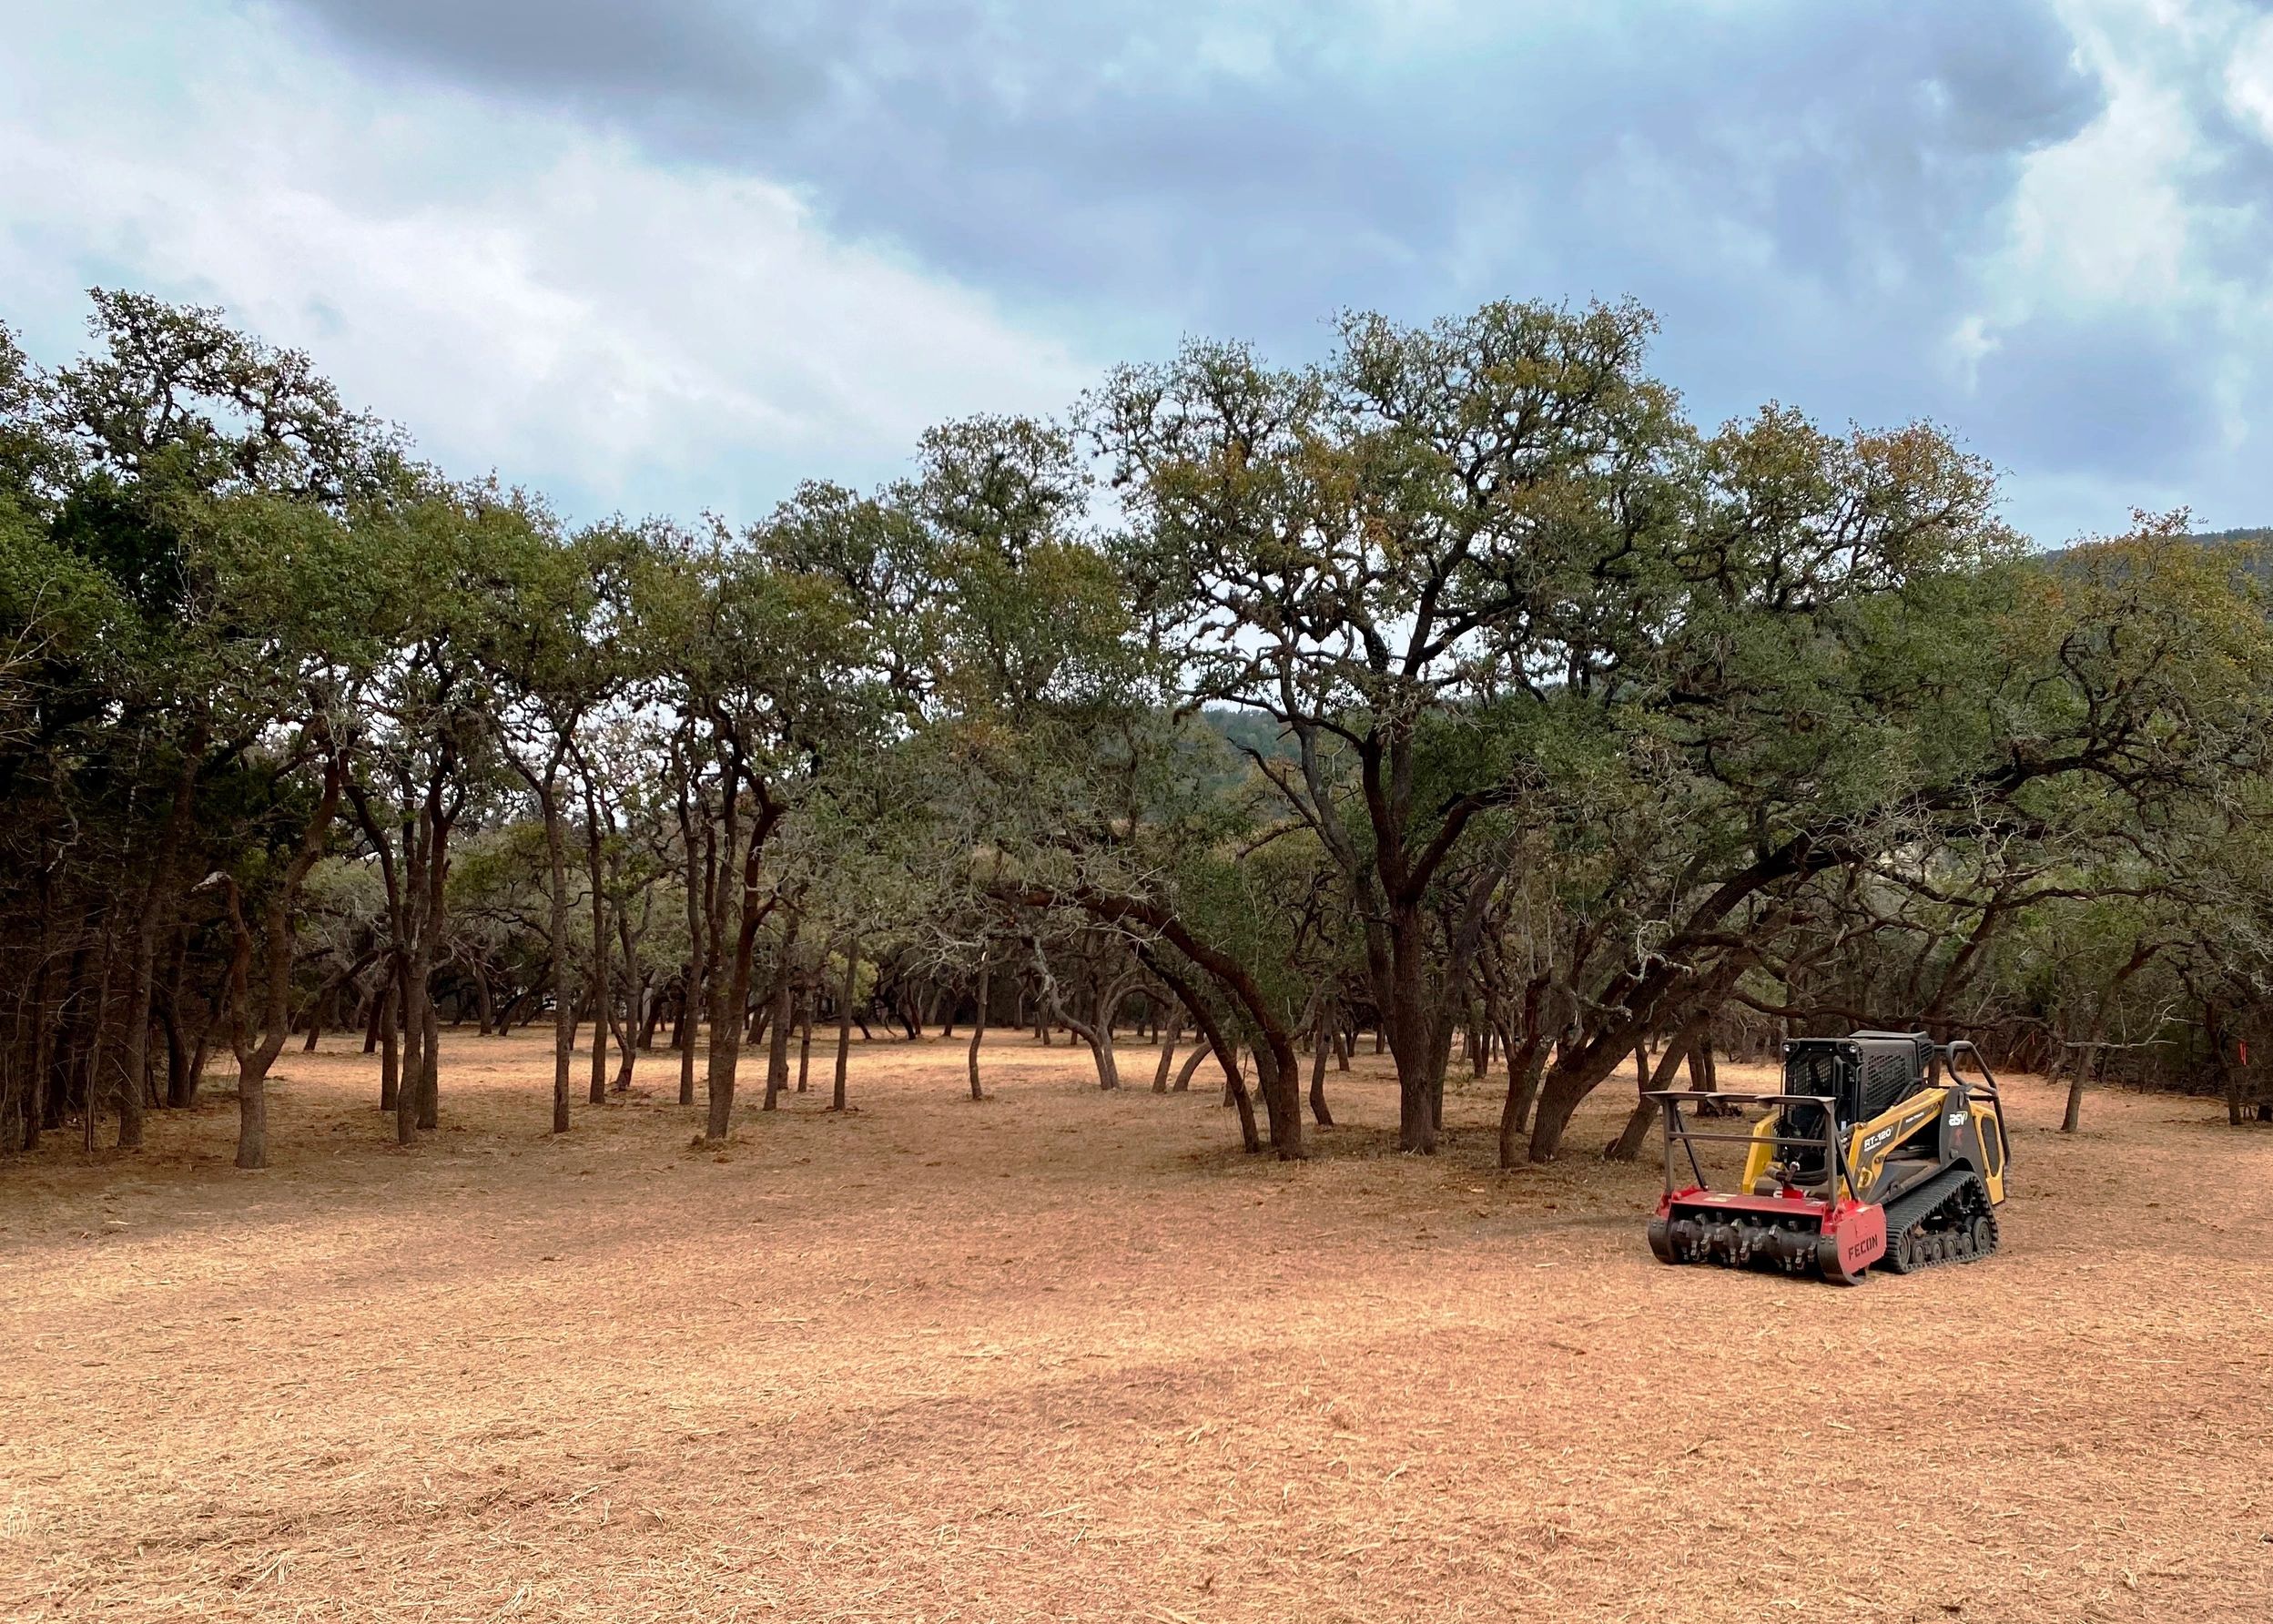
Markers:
point(1876, 1152)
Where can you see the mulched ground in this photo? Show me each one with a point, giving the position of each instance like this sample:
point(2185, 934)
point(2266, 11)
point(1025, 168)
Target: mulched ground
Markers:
point(1066, 1355)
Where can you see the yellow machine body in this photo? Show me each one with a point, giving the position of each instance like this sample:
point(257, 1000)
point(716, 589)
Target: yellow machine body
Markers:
point(1896, 1148)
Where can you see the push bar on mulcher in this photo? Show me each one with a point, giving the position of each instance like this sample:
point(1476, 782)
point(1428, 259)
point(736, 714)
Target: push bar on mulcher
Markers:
point(1670, 1107)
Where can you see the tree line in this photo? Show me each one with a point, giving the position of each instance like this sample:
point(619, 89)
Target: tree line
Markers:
point(1457, 692)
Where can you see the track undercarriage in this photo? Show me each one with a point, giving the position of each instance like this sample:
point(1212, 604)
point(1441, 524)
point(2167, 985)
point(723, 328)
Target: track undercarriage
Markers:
point(1948, 1221)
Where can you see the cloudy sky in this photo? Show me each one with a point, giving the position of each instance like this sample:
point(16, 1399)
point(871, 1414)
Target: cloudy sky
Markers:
point(674, 255)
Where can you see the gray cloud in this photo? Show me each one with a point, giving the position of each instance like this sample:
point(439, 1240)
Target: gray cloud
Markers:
point(1064, 151)
point(1807, 194)
point(597, 53)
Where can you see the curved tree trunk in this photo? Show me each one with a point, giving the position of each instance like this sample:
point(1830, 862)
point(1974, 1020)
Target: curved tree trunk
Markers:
point(1526, 1060)
point(1168, 1052)
point(484, 1006)
point(1216, 1043)
point(1679, 1047)
point(1283, 1095)
point(259, 1038)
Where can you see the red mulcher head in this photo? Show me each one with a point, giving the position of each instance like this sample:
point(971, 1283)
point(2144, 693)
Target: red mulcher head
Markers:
point(1821, 1229)
point(1791, 1231)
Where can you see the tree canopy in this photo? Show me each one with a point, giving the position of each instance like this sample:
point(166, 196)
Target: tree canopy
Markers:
point(1457, 688)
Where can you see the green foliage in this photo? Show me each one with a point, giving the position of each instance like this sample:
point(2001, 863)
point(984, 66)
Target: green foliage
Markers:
point(1459, 678)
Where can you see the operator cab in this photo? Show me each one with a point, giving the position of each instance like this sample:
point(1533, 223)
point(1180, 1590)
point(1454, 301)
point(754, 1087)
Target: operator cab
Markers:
point(1864, 1075)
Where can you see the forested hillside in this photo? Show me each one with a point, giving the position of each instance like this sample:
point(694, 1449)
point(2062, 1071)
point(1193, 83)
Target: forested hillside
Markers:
point(1458, 694)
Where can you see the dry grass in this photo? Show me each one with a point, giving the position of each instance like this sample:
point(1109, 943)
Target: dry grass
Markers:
point(1061, 1355)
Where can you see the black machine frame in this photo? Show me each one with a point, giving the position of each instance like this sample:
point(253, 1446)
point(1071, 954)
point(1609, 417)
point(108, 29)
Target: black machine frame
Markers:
point(1677, 1131)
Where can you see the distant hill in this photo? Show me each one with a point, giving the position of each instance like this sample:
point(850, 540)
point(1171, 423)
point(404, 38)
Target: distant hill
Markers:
point(2261, 539)
point(1251, 730)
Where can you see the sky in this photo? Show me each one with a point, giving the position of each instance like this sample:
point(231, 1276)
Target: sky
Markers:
point(674, 256)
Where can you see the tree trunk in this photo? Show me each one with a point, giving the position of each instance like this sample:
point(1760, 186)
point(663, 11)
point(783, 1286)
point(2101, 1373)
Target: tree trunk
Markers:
point(485, 1006)
point(599, 957)
point(1283, 1096)
point(843, 1019)
point(390, 1054)
point(433, 921)
point(178, 1093)
point(730, 1008)
point(692, 1013)
point(258, 1041)
point(1568, 1083)
point(1525, 1061)
point(413, 1081)
point(1235, 1086)
point(98, 1046)
point(1628, 1145)
point(1318, 1111)
point(627, 1045)
point(2079, 1077)
point(43, 1029)
point(1095, 1035)
point(135, 1030)
point(430, 1078)
point(252, 1117)
point(784, 996)
point(414, 987)
point(1583, 1065)
point(979, 1027)
point(2228, 1075)
point(176, 1055)
point(1413, 1036)
point(1100, 1044)
point(1168, 1052)
point(556, 941)
point(1215, 1043)
point(2093, 1058)
point(142, 977)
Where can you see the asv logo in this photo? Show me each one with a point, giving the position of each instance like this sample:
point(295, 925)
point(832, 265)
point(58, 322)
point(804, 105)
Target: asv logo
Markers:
point(1957, 1119)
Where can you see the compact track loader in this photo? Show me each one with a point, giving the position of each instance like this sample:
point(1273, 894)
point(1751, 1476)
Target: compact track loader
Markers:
point(1877, 1153)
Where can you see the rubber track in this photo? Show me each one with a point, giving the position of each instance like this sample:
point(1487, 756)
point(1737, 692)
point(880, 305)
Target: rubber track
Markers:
point(1907, 1212)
